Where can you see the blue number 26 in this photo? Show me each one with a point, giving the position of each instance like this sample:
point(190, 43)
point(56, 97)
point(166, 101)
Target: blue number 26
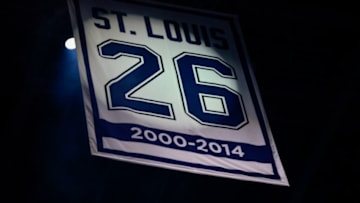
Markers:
point(206, 102)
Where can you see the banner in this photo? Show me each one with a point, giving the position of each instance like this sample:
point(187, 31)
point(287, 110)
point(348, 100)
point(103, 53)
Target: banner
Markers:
point(171, 87)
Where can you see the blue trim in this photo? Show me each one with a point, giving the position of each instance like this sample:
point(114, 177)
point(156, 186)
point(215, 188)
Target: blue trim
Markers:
point(182, 163)
point(87, 67)
point(245, 64)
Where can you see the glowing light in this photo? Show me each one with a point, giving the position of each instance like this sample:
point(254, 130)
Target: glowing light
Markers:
point(70, 43)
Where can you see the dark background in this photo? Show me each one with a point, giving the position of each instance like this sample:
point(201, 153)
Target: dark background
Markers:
point(306, 60)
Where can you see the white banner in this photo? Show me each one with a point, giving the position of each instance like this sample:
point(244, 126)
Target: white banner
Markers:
point(171, 87)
